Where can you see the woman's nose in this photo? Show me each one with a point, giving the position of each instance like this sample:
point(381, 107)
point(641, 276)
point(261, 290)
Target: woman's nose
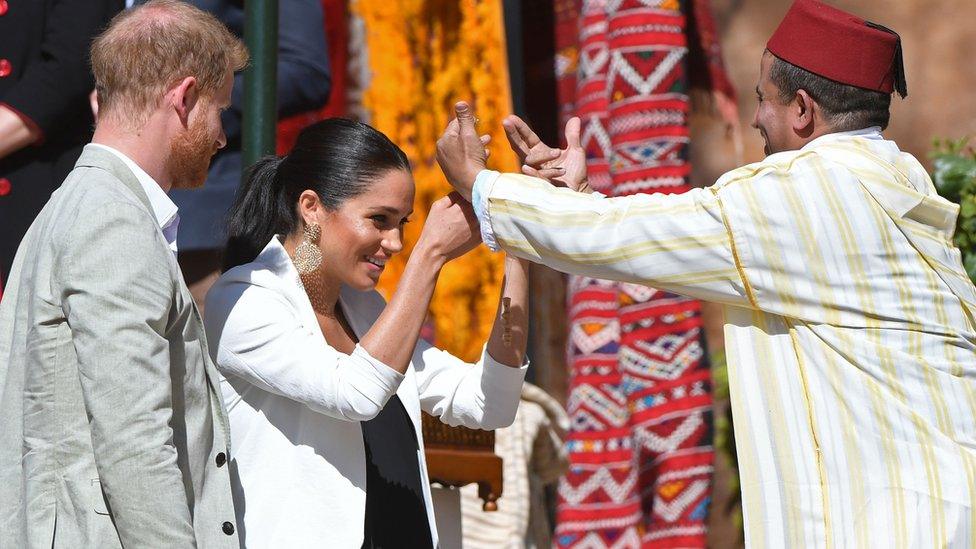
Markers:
point(393, 241)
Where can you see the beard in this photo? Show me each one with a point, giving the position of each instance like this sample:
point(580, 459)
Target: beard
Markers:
point(190, 154)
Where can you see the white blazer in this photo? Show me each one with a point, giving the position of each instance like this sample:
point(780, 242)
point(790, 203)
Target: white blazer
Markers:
point(295, 403)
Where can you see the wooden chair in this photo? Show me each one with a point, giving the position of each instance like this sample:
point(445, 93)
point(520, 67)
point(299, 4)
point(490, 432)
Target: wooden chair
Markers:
point(457, 456)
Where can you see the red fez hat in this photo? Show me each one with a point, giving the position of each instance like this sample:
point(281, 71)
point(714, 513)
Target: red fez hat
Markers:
point(840, 46)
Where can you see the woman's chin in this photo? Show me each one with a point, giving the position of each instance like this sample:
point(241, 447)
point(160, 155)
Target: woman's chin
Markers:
point(366, 282)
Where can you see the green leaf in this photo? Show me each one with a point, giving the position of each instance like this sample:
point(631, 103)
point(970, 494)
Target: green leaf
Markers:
point(953, 175)
point(962, 240)
point(967, 209)
point(969, 261)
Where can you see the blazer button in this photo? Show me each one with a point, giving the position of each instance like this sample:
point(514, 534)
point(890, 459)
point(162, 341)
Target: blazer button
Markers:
point(4, 186)
point(3, 7)
point(5, 68)
point(228, 529)
point(221, 459)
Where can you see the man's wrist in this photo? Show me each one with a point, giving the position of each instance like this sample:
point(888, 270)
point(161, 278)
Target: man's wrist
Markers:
point(583, 186)
point(466, 186)
point(516, 263)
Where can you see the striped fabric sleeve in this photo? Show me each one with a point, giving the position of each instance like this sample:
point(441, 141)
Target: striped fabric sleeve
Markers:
point(679, 243)
point(479, 199)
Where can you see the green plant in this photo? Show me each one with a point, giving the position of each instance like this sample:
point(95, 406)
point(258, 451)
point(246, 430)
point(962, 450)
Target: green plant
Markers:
point(954, 175)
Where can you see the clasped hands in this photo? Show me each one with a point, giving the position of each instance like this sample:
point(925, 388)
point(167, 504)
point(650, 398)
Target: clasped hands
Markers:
point(461, 153)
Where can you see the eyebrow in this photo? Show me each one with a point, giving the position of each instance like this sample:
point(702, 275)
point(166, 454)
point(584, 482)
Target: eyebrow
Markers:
point(391, 210)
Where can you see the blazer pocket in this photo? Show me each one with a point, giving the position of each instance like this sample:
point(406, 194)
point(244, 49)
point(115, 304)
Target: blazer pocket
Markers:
point(99, 504)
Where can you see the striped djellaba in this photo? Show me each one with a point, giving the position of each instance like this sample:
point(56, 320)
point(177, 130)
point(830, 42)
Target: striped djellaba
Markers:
point(850, 329)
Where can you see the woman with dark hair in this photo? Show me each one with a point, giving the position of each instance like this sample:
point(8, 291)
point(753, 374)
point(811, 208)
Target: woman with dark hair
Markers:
point(324, 382)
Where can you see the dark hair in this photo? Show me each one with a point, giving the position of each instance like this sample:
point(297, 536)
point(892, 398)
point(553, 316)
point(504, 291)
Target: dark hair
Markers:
point(845, 107)
point(336, 158)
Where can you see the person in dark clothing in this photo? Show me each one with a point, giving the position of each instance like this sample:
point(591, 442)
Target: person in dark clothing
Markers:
point(45, 116)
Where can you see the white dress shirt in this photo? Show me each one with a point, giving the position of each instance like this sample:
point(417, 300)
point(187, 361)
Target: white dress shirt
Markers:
point(165, 211)
point(295, 403)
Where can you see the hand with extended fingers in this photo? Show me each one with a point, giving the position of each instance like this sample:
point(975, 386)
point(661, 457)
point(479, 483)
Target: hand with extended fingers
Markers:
point(562, 167)
point(461, 154)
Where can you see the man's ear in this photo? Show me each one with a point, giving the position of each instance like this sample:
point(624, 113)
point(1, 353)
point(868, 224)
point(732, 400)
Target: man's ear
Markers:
point(802, 110)
point(183, 97)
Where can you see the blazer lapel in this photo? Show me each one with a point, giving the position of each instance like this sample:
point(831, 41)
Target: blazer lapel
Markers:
point(210, 368)
point(275, 259)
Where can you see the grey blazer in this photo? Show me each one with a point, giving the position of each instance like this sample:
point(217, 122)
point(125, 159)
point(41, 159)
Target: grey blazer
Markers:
point(112, 428)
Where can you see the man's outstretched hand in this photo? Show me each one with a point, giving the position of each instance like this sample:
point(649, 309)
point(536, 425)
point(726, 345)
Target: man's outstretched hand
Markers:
point(461, 154)
point(562, 167)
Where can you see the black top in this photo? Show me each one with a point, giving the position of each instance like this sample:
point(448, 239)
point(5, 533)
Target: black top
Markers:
point(396, 515)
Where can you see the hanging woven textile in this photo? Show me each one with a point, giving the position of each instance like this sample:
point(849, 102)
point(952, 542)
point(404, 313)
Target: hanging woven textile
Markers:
point(640, 403)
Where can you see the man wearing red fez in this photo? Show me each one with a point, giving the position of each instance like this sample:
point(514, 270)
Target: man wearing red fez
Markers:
point(850, 322)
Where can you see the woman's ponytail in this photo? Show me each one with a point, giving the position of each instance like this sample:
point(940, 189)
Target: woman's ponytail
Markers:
point(260, 211)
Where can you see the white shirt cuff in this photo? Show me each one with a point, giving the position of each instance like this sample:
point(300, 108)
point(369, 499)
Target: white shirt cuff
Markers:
point(500, 376)
point(479, 199)
point(383, 380)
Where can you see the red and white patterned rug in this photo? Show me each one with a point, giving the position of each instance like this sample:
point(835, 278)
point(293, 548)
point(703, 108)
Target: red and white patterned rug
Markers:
point(640, 389)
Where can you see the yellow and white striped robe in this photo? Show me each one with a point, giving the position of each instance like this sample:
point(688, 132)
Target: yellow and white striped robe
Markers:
point(849, 329)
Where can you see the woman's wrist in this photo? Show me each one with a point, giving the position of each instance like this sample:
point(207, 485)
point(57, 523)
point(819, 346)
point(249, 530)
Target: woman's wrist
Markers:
point(516, 264)
point(430, 257)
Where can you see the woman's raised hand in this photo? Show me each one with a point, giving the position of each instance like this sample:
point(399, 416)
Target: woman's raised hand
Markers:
point(451, 229)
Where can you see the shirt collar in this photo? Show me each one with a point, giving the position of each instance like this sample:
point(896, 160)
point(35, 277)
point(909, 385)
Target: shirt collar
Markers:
point(164, 209)
point(873, 133)
point(276, 259)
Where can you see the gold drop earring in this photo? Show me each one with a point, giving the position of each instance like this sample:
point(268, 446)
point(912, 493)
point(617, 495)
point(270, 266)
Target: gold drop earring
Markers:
point(308, 256)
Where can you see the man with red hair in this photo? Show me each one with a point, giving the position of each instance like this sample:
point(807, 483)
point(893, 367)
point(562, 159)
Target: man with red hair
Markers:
point(113, 431)
point(850, 320)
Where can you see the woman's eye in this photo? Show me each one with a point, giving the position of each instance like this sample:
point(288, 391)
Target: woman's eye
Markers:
point(379, 218)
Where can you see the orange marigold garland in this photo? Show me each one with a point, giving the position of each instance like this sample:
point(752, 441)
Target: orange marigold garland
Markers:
point(424, 55)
